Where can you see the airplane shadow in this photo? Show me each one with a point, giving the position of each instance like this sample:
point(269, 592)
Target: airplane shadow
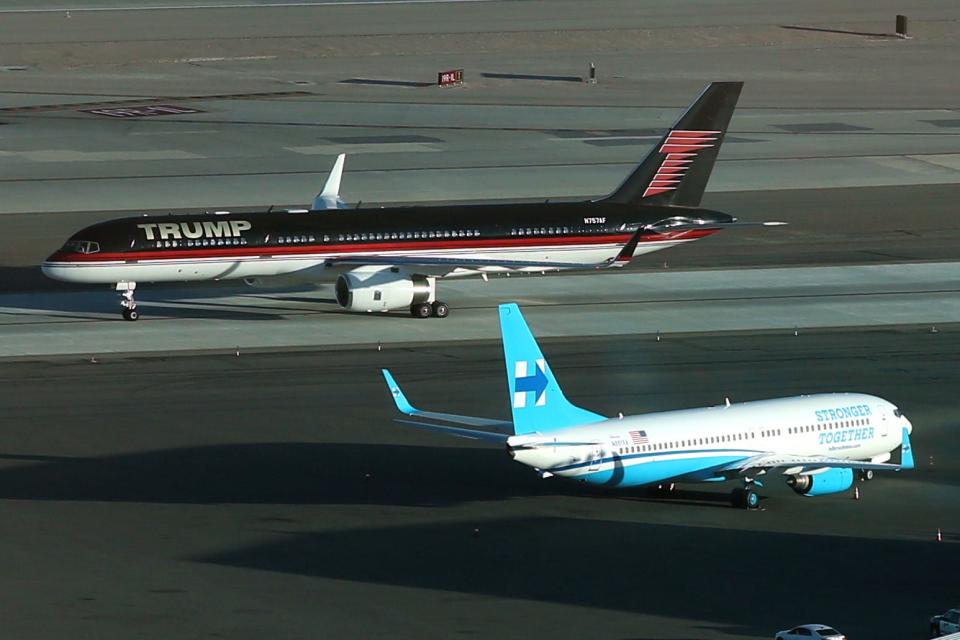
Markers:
point(306, 473)
point(27, 289)
point(744, 582)
point(280, 473)
point(840, 31)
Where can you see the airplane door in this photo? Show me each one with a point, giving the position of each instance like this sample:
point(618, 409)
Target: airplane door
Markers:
point(596, 459)
point(884, 424)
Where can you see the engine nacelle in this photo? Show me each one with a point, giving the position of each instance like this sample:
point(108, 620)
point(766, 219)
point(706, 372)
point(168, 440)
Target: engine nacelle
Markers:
point(384, 290)
point(821, 484)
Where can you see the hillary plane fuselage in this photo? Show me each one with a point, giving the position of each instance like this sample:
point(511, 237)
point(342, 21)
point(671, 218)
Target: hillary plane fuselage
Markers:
point(387, 259)
point(817, 442)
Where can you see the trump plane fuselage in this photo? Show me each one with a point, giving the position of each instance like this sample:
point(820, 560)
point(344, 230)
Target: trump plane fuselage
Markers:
point(386, 259)
point(818, 442)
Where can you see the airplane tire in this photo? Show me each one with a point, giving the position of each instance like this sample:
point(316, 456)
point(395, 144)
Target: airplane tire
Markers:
point(750, 499)
point(131, 314)
point(866, 475)
point(440, 309)
point(424, 310)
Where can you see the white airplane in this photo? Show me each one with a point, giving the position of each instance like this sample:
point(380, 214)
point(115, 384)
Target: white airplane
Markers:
point(815, 441)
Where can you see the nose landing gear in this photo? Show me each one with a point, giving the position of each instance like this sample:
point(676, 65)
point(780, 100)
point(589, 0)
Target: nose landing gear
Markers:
point(127, 302)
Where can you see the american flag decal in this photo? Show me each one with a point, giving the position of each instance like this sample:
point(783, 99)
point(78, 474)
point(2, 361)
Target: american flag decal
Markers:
point(638, 437)
point(680, 148)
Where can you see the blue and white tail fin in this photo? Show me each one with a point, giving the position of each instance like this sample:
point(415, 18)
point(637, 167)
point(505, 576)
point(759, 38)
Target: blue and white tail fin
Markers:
point(536, 400)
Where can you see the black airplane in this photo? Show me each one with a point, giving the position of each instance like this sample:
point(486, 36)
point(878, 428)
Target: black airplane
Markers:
point(387, 259)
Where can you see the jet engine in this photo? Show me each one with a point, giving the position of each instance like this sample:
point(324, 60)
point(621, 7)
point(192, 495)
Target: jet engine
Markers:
point(384, 290)
point(823, 483)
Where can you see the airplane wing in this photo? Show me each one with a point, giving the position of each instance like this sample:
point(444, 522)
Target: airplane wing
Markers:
point(625, 254)
point(503, 427)
point(453, 263)
point(806, 464)
point(803, 464)
point(472, 434)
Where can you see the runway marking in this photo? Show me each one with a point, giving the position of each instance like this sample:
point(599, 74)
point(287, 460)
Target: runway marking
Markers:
point(385, 147)
point(592, 138)
point(72, 155)
point(221, 59)
point(241, 5)
point(181, 132)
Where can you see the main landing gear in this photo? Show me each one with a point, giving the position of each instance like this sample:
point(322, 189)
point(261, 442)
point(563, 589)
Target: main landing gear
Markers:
point(126, 289)
point(425, 310)
point(747, 497)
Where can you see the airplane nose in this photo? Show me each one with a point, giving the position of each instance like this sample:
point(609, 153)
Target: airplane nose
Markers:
point(54, 271)
point(909, 425)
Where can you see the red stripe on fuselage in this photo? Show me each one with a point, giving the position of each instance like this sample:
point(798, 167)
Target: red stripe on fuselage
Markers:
point(343, 250)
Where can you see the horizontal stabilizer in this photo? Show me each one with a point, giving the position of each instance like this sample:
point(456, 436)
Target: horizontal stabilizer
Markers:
point(473, 434)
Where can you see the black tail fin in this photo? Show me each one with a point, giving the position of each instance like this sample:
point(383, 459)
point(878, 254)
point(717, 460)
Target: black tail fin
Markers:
point(676, 171)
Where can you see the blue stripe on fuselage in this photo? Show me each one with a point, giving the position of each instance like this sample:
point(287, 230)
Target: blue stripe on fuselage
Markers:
point(629, 471)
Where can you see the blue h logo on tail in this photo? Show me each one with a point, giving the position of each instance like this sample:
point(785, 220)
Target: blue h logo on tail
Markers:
point(526, 382)
point(536, 399)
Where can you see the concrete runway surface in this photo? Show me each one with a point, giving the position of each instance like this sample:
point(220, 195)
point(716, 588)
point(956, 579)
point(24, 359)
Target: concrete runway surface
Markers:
point(204, 494)
point(217, 495)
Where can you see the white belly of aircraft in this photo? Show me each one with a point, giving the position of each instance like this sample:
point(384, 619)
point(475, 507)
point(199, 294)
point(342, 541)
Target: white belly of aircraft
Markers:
point(223, 268)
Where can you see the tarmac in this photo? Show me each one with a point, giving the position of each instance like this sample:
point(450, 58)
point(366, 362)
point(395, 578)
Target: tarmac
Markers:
point(216, 495)
point(158, 484)
point(229, 319)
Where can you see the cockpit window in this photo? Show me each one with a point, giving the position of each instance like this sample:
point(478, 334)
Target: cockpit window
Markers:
point(81, 246)
point(897, 412)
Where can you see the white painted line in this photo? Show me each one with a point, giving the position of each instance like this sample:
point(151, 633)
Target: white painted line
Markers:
point(591, 138)
point(72, 155)
point(352, 149)
point(177, 132)
point(241, 5)
point(223, 59)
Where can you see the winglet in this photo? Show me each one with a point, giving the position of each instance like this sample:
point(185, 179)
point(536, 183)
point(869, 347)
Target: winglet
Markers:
point(329, 196)
point(403, 405)
point(906, 451)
